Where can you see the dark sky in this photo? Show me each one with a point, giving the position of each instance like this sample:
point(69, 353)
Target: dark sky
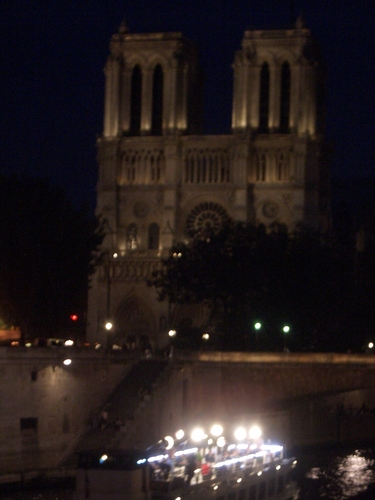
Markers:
point(52, 55)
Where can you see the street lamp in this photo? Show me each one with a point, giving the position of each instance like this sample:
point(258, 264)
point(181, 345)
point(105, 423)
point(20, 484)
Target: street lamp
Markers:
point(108, 326)
point(257, 328)
point(286, 330)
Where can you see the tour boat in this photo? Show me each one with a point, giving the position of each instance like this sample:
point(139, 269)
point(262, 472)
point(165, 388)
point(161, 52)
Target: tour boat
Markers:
point(238, 472)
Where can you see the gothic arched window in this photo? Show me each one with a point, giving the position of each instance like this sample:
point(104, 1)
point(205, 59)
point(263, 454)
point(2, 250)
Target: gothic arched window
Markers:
point(136, 101)
point(153, 236)
point(131, 237)
point(264, 98)
point(285, 97)
point(157, 101)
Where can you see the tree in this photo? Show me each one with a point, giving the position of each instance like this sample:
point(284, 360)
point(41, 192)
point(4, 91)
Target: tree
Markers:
point(249, 274)
point(47, 249)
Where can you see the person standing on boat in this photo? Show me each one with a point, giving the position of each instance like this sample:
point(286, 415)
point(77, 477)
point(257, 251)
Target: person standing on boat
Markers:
point(190, 467)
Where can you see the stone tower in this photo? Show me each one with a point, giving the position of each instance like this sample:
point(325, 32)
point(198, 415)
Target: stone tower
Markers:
point(161, 180)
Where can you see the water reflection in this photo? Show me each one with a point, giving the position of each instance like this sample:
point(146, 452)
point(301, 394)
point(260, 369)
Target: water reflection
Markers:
point(342, 476)
point(322, 474)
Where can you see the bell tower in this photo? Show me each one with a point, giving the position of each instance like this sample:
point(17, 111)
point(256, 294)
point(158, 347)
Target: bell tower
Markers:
point(278, 82)
point(278, 100)
point(152, 85)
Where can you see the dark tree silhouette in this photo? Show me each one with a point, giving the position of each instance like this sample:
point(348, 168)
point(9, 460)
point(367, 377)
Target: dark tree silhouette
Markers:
point(248, 274)
point(47, 249)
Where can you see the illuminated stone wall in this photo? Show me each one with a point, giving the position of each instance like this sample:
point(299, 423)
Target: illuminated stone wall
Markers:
point(298, 399)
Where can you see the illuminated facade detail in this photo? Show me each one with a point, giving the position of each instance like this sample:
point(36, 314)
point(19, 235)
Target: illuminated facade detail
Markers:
point(161, 181)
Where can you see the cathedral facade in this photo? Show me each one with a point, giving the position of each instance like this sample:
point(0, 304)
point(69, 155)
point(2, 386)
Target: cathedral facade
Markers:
point(161, 180)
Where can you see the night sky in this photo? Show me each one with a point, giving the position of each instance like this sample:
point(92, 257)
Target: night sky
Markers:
point(52, 81)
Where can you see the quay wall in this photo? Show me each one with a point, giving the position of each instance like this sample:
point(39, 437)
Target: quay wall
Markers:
point(298, 398)
point(45, 405)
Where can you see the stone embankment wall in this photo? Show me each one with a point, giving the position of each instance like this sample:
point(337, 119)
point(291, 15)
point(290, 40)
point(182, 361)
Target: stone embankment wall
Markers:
point(46, 405)
point(297, 398)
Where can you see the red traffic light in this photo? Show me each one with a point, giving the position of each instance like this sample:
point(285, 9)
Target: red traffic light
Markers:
point(74, 317)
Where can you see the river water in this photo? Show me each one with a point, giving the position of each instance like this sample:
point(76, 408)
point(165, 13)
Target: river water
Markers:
point(322, 473)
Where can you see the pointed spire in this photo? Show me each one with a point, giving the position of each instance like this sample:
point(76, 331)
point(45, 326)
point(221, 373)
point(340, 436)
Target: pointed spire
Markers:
point(123, 28)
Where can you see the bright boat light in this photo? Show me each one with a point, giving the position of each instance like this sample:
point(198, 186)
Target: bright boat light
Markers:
point(103, 458)
point(197, 435)
point(188, 451)
point(170, 442)
point(242, 446)
point(239, 480)
point(108, 325)
point(221, 441)
point(67, 362)
point(180, 434)
point(273, 448)
point(259, 473)
point(68, 343)
point(216, 430)
point(255, 432)
point(240, 433)
point(157, 458)
point(278, 467)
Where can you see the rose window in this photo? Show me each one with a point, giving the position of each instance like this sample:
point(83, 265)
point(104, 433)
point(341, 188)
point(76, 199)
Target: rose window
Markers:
point(206, 217)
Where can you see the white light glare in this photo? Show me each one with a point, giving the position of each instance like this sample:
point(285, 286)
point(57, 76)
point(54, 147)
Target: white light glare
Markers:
point(216, 430)
point(67, 362)
point(197, 435)
point(255, 432)
point(69, 343)
point(157, 458)
point(188, 451)
point(103, 458)
point(221, 441)
point(170, 442)
point(108, 325)
point(240, 433)
point(180, 434)
point(172, 333)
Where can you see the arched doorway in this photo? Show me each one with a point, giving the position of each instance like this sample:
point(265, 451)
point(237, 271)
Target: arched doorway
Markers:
point(135, 324)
